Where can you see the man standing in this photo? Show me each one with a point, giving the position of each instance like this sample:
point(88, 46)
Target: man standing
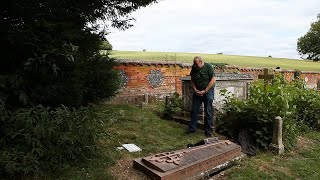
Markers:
point(202, 80)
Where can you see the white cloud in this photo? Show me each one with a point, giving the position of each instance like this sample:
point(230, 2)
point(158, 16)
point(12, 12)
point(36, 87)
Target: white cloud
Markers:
point(246, 27)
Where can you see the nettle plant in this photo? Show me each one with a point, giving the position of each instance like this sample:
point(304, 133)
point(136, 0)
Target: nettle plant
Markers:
point(290, 100)
point(173, 106)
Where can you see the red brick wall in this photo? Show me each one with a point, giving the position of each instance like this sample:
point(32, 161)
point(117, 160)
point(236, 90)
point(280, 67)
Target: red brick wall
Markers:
point(138, 84)
point(138, 71)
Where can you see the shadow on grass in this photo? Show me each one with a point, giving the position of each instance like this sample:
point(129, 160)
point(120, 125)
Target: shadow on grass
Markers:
point(131, 124)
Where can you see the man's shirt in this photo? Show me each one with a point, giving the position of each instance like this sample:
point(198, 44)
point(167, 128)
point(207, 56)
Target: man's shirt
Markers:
point(201, 77)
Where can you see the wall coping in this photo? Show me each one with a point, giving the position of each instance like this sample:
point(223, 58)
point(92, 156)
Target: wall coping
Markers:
point(189, 65)
point(150, 62)
point(225, 77)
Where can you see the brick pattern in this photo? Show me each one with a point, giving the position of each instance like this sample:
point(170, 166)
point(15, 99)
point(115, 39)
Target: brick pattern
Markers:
point(138, 71)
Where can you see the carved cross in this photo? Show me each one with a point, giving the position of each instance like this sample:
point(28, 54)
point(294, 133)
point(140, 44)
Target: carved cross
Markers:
point(168, 157)
point(266, 76)
point(175, 156)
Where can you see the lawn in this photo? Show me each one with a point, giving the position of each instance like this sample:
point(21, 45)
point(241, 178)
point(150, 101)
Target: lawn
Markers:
point(144, 127)
point(242, 61)
point(302, 163)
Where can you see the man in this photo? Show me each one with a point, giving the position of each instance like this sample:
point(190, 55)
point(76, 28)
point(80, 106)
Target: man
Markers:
point(202, 80)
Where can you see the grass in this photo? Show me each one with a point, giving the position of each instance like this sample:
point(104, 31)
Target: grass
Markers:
point(144, 127)
point(303, 163)
point(242, 61)
point(130, 124)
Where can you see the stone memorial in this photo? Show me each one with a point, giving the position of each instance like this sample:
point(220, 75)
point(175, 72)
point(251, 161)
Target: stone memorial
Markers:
point(236, 84)
point(192, 163)
point(266, 77)
point(276, 145)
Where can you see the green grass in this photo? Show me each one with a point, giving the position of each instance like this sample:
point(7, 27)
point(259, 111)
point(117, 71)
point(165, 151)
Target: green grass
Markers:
point(242, 61)
point(143, 127)
point(131, 124)
point(303, 163)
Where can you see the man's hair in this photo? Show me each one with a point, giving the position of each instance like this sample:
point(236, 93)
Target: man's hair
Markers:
point(197, 57)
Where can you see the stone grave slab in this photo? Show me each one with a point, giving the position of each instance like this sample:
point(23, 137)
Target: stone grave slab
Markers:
point(191, 163)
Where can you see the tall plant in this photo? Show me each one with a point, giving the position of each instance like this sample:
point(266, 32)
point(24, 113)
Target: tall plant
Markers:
point(265, 102)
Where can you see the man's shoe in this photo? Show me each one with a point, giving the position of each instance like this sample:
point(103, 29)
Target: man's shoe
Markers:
point(208, 134)
point(189, 131)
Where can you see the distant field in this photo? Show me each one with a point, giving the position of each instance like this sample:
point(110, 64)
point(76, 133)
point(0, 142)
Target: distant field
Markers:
point(243, 61)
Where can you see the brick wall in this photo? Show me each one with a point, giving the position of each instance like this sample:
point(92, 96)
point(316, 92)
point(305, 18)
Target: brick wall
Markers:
point(161, 78)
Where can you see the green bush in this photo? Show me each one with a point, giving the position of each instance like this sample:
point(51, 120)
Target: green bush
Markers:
point(79, 83)
point(173, 106)
point(219, 65)
point(105, 45)
point(100, 80)
point(295, 104)
point(307, 102)
point(40, 139)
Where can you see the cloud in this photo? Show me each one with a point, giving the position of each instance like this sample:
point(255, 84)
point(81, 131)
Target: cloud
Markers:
point(247, 27)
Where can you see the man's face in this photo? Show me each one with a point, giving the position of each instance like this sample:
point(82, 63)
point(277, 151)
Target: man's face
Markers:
point(197, 63)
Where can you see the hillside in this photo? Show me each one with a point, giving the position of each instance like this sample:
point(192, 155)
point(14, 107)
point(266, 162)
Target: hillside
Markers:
point(243, 61)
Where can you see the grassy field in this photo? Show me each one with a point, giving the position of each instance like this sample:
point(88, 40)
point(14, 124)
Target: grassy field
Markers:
point(144, 127)
point(243, 61)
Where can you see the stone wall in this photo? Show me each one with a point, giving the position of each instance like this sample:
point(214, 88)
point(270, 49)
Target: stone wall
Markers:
point(161, 78)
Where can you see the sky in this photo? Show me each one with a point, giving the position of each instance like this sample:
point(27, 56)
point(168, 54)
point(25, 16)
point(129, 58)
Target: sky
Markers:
point(233, 27)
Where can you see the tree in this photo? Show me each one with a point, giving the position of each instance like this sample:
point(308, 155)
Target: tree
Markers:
point(50, 56)
point(308, 45)
point(49, 47)
point(105, 45)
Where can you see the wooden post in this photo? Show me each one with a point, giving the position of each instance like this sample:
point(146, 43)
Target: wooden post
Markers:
point(146, 98)
point(146, 101)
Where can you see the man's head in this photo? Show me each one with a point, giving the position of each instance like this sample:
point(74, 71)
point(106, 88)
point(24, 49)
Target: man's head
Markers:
point(197, 61)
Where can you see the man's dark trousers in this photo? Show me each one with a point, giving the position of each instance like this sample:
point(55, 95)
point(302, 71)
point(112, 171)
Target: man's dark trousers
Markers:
point(207, 99)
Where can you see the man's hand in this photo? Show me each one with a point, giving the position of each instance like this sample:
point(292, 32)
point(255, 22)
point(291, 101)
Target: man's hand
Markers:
point(201, 93)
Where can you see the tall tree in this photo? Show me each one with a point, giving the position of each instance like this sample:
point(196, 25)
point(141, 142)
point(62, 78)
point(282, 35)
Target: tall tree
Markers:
point(308, 45)
point(48, 47)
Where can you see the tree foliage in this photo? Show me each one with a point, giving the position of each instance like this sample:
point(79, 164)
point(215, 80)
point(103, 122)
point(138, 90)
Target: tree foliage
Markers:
point(49, 48)
point(105, 45)
point(50, 56)
point(309, 44)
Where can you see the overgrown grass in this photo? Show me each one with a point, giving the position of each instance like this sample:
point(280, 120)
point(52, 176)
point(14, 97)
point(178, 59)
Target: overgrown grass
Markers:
point(243, 61)
point(131, 124)
point(303, 163)
point(143, 127)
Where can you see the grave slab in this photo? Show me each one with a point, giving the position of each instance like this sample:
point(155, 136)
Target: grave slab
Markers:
point(191, 163)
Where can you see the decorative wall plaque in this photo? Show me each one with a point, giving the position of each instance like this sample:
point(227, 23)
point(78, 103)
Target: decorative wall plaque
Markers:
point(124, 78)
point(155, 78)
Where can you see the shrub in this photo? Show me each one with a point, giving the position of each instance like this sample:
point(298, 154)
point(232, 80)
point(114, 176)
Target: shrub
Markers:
point(44, 139)
point(79, 83)
point(307, 103)
point(100, 80)
point(105, 45)
point(173, 106)
point(297, 73)
point(219, 65)
point(296, 105)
